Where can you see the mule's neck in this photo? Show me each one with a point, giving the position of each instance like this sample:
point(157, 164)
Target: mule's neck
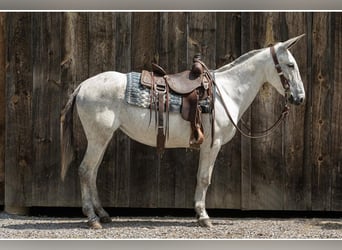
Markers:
point(242, 82)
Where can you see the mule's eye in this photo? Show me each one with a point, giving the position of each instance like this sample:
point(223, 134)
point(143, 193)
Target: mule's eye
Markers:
point(290, 65)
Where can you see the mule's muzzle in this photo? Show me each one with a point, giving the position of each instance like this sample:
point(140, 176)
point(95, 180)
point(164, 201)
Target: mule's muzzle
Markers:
point(298, 100)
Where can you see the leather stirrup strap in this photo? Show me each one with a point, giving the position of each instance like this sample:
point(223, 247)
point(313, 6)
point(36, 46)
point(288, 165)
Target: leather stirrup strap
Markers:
point(160, 135)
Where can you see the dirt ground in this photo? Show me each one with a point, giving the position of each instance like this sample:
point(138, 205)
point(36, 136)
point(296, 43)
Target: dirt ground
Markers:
point(167, 227)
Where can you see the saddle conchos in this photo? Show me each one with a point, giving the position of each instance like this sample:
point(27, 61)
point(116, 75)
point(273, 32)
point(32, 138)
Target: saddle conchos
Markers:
point(193, 85)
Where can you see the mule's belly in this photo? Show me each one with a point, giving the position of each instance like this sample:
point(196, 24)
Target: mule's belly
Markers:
point(135, 122)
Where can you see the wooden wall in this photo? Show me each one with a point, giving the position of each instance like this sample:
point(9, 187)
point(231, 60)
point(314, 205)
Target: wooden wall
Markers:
point(49, 54)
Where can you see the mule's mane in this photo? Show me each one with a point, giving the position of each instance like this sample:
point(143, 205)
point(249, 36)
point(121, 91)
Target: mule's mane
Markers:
point(239, 60)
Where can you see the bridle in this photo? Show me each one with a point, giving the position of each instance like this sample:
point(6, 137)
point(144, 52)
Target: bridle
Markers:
point(283, 79)
point(284, 113)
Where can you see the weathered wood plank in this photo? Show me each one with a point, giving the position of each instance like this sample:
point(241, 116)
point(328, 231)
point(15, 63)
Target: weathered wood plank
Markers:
point(144, 40)
point(228, 37)
point(336, 115)
point(201, 37)
point(172, 56)
point(225, 190)
point(101, 42)
point(144, 164)
point(19, 154)
point(2, 104)
point(74, 53)
point(267, 166)
point(172, 47)
point(297, 175)
point(120, 145)
point(321, 112)
point(46, 108)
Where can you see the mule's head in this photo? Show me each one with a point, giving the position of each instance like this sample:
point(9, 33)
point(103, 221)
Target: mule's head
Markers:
point(285, 76)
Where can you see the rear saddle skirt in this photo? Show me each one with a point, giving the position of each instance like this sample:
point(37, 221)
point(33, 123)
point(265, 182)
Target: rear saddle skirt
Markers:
point(193, 86)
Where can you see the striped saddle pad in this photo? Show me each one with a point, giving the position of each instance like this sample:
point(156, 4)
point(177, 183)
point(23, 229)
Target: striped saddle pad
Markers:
point(139, 95)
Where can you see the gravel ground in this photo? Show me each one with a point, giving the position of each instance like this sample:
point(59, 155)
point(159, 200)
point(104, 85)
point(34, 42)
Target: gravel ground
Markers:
point(19, 227)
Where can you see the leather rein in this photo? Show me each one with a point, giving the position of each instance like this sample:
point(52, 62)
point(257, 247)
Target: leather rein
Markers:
point(283, 114)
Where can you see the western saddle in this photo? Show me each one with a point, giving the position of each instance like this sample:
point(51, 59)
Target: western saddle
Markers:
point(193, 85)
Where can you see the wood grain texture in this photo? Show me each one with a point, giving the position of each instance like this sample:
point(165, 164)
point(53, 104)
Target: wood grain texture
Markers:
point(297, 195)
point(267, 166)
point(321, 112)
point(262, 175)
point(72, 28)
point(19, 146)
point(2, 104)
point(336, 115)
point(297, 168)
point(225, 190)
point(144, 164)
point(173, 190)
point(46, 105)
point(201, 37)
point(117, 192)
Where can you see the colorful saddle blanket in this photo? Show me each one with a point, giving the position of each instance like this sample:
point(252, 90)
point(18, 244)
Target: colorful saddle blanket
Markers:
point(139, 95)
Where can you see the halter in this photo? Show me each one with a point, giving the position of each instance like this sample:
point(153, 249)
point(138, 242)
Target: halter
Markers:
point(284, 113)
point(283, 79)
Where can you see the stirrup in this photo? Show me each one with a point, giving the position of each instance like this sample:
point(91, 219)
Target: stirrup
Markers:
point(197, 137)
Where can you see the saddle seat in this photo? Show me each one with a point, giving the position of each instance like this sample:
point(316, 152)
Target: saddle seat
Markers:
point(181, 83)
point(193, 85)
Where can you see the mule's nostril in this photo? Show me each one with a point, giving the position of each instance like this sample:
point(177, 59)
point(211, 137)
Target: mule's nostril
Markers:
point(291, 99)
point(299, 101)
point(296, 100)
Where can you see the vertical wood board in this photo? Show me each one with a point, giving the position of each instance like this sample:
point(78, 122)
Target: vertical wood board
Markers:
point(2, 104)
point(19, 147)
point(336, 115)
point(297, 195)
point(321, 112)
point(144, 163)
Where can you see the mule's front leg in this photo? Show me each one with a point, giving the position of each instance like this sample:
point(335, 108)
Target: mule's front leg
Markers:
point(206, 166)
point(202, 215)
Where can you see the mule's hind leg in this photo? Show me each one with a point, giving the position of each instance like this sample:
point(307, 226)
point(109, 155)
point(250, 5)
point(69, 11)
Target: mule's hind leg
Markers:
point(206, 166)
point(91, 205)
point(104, 216)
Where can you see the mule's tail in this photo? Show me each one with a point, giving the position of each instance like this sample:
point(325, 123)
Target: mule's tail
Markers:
point(66, 133)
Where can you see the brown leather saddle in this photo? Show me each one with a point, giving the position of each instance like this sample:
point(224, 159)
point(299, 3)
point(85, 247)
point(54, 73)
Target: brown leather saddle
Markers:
point(193, 85)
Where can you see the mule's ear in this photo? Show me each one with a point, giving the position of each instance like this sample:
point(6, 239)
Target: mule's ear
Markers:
point(289, 43)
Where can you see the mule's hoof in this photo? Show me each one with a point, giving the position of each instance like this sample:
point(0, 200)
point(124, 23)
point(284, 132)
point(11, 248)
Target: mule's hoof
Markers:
point(94, 224)
point(105, 219)
point(205, 222)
